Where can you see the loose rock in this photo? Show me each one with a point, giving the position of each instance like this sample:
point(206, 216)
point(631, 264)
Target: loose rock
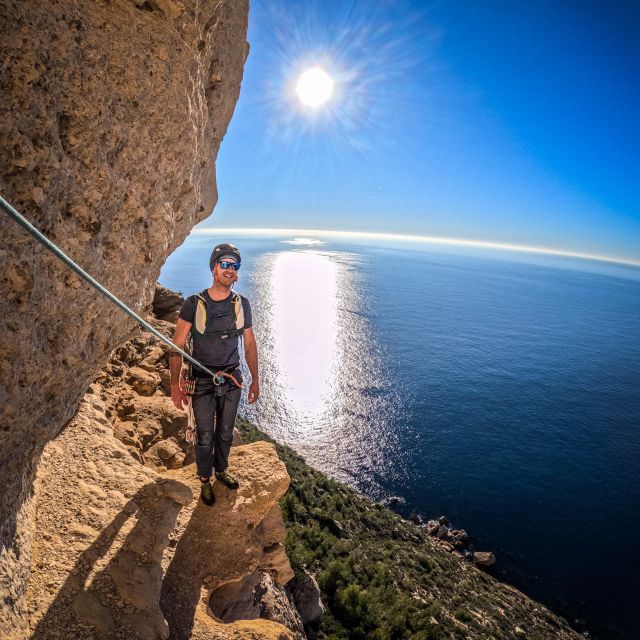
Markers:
point(484, 558)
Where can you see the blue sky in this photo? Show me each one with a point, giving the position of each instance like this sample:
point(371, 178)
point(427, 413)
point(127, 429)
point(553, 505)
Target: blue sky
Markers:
point(499, 121)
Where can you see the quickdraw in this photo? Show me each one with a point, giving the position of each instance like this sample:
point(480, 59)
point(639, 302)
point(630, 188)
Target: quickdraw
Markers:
point(189, 386)
point(191, 436)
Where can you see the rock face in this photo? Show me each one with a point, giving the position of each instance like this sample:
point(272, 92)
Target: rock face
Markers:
point(256, 596)
point(166, 304)
point(111, 116)
point(306, 595)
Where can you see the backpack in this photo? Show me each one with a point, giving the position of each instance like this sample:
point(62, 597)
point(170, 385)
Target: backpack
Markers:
point(200, 323)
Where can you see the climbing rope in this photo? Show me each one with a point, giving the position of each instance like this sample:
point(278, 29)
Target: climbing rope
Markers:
point(42, 239)
point(218, 379)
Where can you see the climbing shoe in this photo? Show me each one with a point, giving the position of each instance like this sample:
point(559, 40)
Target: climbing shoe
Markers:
point(227, 479)
point(206, 493)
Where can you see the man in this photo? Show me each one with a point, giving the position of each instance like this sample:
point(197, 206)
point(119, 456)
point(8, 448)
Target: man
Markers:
point(216, 318)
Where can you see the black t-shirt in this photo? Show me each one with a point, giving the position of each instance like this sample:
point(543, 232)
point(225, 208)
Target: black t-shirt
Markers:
point(214, 351)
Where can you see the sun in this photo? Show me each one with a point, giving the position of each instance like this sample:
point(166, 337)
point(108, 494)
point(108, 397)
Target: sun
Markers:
point(314, 87)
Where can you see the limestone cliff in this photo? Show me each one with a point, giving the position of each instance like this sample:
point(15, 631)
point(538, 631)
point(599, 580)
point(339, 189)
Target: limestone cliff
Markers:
point(111, 116)
point(123, 548)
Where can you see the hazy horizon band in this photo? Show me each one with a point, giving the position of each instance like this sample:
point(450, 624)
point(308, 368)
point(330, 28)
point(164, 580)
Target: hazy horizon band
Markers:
point(479, 244)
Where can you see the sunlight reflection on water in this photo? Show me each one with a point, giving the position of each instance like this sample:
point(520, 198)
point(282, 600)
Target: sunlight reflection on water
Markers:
point(323, 385)
point(303, 291)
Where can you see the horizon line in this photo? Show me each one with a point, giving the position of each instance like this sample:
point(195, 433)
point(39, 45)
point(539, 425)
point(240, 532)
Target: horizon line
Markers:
point(479, 244)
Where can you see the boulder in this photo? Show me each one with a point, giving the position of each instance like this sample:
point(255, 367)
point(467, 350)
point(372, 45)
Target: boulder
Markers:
point(166, 304)
point(256, 596)
point(154, 358)
point(307, 597)
point(143, 382)
point(432, 527)
point(165, 454)
point(458, 537)
point(483, 558)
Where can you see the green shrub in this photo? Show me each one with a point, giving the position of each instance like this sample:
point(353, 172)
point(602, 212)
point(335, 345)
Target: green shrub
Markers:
point(351, 606)
point(336, 576)
point(462, 614)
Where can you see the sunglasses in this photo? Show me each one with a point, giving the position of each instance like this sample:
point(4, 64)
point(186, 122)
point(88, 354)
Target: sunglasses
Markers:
point(226, 264)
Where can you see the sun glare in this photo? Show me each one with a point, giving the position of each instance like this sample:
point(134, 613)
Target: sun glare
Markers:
point(314, 87)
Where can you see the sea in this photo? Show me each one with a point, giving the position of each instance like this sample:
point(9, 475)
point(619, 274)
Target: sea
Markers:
point(499, 388)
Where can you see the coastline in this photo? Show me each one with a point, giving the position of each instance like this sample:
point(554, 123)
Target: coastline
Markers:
point(349, 541)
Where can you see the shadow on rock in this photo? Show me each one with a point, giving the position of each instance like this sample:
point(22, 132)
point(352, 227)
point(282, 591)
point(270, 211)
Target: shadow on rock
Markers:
point(114, 588)
point(182, 585)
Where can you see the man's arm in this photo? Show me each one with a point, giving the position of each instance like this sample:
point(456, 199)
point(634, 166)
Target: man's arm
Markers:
point(175, 363)
point(251, 356)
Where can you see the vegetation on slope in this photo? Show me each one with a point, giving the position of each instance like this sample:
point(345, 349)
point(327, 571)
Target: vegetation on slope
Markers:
point(383, 578)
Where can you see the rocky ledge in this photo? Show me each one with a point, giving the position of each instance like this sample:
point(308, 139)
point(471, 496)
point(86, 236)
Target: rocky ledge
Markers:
point(122, 547)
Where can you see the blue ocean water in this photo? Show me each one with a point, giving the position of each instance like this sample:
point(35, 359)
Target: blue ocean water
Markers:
point(502, 390)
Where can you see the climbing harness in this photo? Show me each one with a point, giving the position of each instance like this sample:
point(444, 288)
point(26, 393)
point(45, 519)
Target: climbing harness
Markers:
point(220, 376)
point(42, 239)
point(189, 387)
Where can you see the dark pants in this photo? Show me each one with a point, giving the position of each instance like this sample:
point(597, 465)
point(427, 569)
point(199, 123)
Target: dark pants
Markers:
point(215, 409)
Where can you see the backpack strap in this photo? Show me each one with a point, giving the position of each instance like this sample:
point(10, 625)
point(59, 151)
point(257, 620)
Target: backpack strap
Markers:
point(238, 312)
point(200, 323)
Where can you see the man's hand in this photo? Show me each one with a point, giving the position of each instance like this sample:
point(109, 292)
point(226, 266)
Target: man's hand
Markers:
point(178, 396)
point(254, 392)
